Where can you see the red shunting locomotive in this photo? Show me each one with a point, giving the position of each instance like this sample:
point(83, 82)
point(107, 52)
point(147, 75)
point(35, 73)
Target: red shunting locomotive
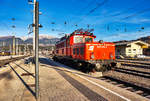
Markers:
point(79, 50)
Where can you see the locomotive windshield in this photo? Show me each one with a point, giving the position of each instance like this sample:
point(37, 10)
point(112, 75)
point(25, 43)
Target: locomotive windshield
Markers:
point(88, 39)
point(78, 39)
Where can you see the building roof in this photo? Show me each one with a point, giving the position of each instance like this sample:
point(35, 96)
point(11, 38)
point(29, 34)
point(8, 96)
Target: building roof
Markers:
point(119, 43)
point(5, 37)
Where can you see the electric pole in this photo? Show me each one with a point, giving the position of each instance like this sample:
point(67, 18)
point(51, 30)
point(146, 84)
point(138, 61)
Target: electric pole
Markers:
point(17, 46)
point(34, 5)
point(36, 47)
point(14, 46)
point(10, 48)
point(36, 44)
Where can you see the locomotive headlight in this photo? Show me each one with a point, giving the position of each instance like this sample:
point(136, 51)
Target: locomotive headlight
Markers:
point(92, 56)
point(111, 56)
point(97, 66)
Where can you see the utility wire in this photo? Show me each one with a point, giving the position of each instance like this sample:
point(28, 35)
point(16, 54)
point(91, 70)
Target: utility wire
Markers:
point(89, 4)
point(128, 9)
point(137, 13)
point(93, 10)
point(130, 16)
point(98, 5)
point(83, 9)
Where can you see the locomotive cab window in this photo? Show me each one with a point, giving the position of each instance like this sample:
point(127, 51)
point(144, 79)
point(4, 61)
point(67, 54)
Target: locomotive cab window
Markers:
point(78, 39)
point(88, 39)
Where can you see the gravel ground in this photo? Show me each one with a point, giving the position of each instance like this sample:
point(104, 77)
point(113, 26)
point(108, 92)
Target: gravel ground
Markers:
point(145, 82)
point(13, 84)
point(138, 69)
point(141, 81)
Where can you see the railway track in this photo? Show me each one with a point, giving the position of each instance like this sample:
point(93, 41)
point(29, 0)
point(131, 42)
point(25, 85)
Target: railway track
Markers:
point(137, 64)
point(134, 61)
point(129, 85)
point(133, 72)
point(7, 61)
point(143, 91)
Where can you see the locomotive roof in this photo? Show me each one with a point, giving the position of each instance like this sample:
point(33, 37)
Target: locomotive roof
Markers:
point(76, 32)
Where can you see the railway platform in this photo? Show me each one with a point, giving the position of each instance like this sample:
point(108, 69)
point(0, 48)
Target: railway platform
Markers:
point(57, 83)
point(8, 57)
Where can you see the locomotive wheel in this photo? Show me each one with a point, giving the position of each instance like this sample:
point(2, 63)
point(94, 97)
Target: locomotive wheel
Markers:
point(87, 68)
point(65, 62)
point(54, 58)
point(79, 64)
point(83, 67)
point(76, 65)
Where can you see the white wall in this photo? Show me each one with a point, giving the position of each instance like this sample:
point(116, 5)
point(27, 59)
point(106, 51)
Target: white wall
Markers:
point(135, 50)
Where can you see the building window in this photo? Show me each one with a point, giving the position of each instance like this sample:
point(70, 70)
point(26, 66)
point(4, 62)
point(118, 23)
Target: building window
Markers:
point(134, 50)
point(129, 50)
point(82, 50)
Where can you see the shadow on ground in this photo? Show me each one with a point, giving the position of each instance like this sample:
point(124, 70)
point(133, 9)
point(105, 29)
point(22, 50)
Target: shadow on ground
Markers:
point(47, 63)
point(25, 84)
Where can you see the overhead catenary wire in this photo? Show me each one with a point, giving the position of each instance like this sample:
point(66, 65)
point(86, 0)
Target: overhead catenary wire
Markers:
point(137, 13)
point(93, 10)
point(88, 5)
point(128, 9)
point(98, 5)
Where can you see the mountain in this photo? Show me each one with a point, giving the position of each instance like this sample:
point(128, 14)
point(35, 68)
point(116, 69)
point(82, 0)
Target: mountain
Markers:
point(8, 40)
point(44, 40)
point(145, 39)
point(41, 36)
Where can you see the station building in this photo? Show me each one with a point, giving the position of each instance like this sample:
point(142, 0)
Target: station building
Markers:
point(130, 48)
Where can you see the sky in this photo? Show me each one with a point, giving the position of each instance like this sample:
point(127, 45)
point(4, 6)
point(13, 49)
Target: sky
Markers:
point(112, 20)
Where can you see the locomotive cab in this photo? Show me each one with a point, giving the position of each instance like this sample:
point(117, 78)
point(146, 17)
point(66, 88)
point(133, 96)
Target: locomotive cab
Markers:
point(83, 37)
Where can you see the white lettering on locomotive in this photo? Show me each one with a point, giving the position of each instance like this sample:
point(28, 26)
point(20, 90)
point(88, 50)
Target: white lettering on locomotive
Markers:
point(91, 48)
point(102, 46)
